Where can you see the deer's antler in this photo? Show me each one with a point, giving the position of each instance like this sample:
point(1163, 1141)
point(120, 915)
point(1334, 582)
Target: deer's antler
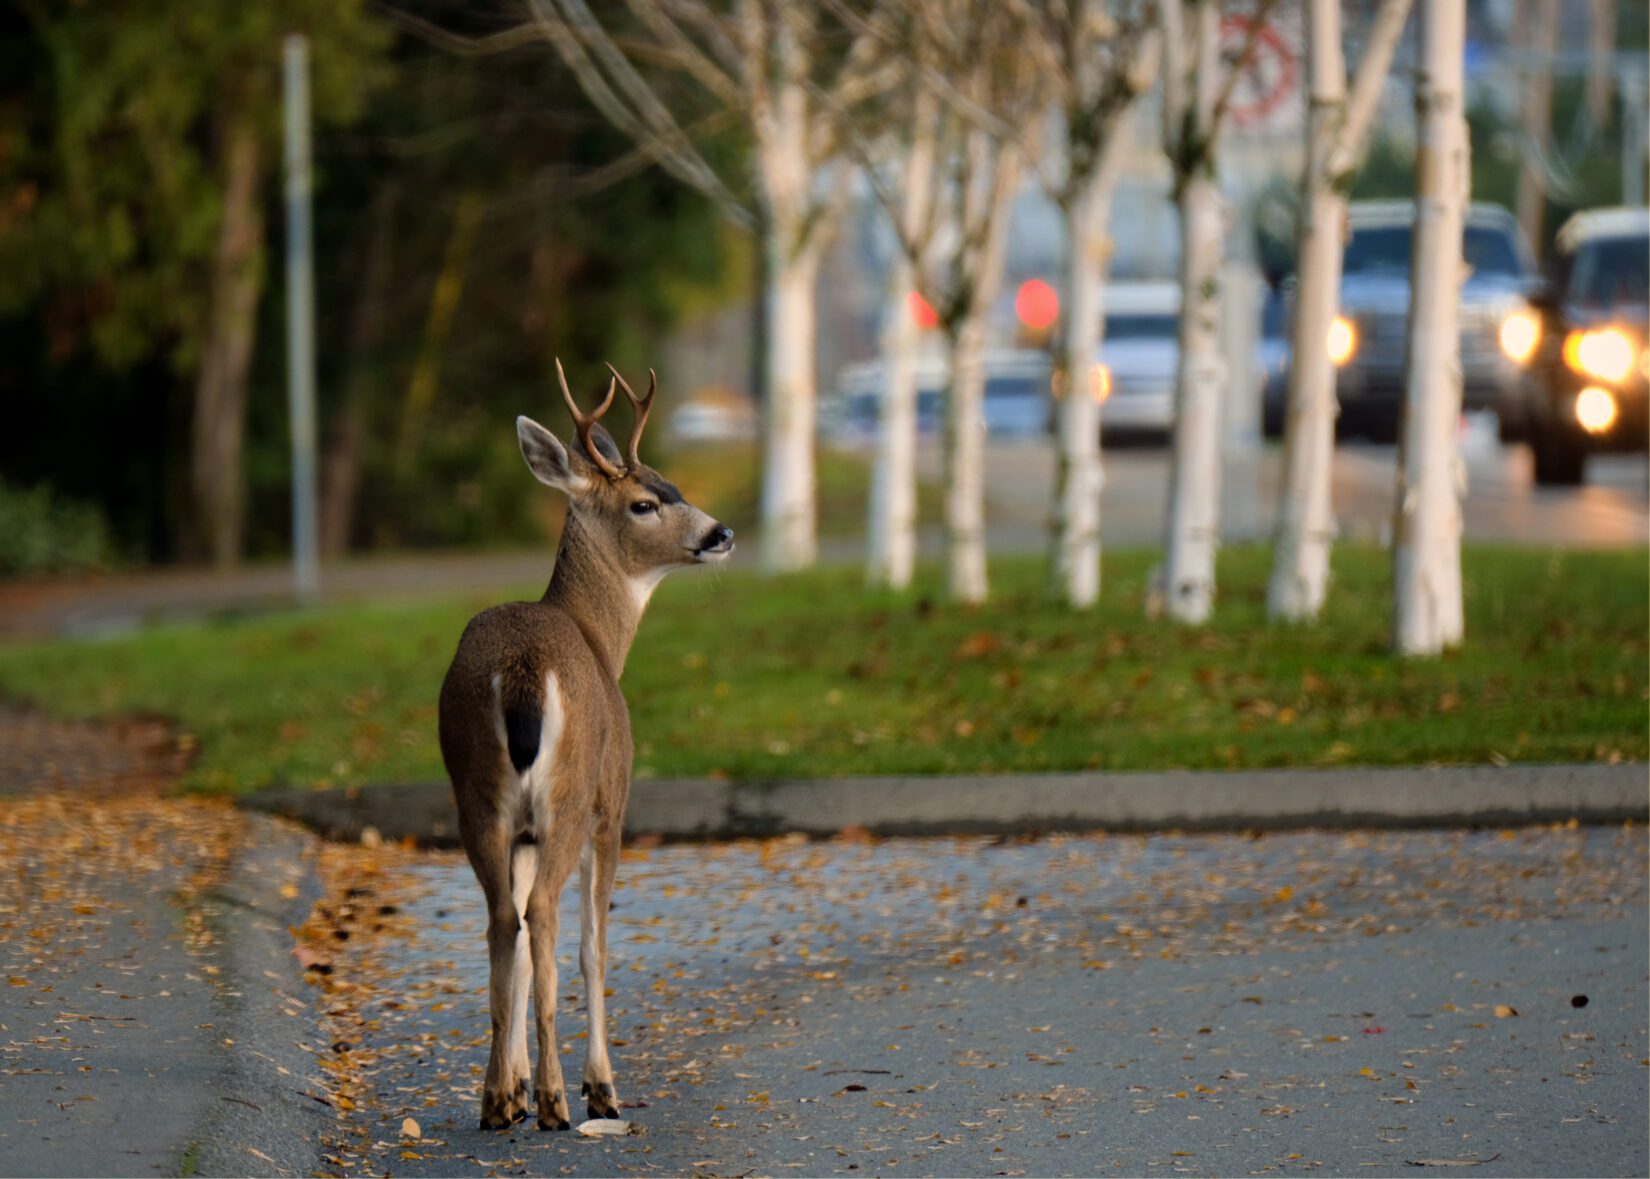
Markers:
point(584, 424)
point(642, 407)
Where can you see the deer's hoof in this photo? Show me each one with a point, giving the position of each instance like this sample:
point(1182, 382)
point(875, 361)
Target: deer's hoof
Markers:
point(553, 1111)
point(503, 1108)
point(600, 1101)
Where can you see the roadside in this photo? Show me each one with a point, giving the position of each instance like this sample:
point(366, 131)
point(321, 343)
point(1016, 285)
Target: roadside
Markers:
point(1502, 506)
point(153, 1019)
point(1351, 1003)
point(756, 679)
point(1011, 804)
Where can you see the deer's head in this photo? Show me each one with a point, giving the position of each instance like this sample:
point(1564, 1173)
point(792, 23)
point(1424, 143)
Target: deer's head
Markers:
point(627, 507)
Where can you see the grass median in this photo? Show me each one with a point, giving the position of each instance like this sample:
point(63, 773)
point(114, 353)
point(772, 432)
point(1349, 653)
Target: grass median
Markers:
point(812, 676)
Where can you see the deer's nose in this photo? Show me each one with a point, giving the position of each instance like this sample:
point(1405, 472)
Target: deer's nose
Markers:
point(717, 540)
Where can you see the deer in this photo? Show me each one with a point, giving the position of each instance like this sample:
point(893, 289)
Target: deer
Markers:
point(535, 735)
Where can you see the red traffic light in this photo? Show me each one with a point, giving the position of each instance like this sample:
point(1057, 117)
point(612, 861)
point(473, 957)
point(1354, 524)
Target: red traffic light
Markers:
point(1037, 305)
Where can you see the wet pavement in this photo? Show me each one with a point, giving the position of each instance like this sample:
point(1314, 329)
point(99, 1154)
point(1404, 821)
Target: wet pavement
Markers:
point(1352, 1003)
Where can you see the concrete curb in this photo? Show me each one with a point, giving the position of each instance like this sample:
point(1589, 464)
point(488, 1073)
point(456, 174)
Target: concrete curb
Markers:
point(1411, 796)
point(267, 1014)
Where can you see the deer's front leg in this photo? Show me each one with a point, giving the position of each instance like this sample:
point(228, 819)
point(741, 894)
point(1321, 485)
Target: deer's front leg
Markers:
point(596, 868)
point(549, 1093)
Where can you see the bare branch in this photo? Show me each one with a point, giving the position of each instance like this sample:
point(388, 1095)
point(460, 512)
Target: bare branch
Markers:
point(692, 59)
point(434, 34)
point(935, 78)
point(1372, 71)
point(651, 127)
point(1172, 20)
point(719, 35)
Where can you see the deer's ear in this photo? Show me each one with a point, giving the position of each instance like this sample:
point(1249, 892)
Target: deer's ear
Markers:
point(549, 460)
point(602, 441)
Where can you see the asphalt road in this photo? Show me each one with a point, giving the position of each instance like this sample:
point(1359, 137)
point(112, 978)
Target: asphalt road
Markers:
point(1349, 1003)
point(1503, 503)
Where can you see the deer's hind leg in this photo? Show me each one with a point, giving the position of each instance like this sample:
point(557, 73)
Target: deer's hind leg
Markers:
point(558, 851)
point(504, 1089)
point(596, 869)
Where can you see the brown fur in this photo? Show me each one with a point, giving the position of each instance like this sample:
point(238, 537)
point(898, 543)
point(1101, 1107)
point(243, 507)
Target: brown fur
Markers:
point(580, 632)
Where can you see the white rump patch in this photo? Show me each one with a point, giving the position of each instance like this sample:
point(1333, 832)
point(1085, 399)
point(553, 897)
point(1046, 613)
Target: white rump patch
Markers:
point(528, 809)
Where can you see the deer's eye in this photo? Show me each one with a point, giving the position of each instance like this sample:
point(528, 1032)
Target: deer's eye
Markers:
point(642, 507)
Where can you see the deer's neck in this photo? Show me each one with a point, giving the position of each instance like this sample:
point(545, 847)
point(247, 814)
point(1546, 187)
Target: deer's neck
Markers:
point(600, 597)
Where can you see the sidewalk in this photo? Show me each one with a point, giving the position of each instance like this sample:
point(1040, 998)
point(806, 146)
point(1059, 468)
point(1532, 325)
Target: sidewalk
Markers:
point(122, 602)
point(155, 1021)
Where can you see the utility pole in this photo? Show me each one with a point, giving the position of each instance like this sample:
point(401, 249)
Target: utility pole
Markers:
point(300, 317)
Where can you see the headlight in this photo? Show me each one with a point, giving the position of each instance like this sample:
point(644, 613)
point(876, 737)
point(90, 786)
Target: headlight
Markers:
point(1605, 354)
point(1520, 333)
point(1343, 340)
point(1099, 383)
point(1595, 409)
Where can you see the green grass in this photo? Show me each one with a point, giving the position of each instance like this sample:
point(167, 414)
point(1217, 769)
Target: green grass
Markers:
point(811, 675)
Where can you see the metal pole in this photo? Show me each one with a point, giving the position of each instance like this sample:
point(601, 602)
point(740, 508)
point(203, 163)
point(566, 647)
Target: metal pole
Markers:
point(300, 318)
point(1632, 88)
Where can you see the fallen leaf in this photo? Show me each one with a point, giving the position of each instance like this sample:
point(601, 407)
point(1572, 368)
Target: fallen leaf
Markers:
point(410, 1129)
point(1502, 1011)
point(607, 1128)
point(1469, 1162)
point(308, 959)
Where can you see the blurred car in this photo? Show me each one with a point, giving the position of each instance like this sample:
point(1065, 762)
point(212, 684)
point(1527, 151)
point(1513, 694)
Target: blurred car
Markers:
point(1016, 401)
point(1586, 389)
point(712, 421)
point(1139, 354)
point(1368, 339)
point(1273, 359)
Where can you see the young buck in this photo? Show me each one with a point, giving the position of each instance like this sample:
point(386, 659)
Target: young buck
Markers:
point(536, 738)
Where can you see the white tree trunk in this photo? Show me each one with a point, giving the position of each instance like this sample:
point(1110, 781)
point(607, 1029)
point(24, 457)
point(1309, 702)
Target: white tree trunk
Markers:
point(1427, 526)
point(1306, 519)
point(1079, 476)
point(788, 510)
point(965, 462)
point(893, 523)
point(979, 273)
point(793, 251)
point(1193, 530)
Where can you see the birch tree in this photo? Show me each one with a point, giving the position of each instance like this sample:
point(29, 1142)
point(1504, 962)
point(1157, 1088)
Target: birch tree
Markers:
point(1426, 534)
point(1197, 88)
point(777, 68)
point(970, 58)
point(999, 96)
point(892, 528)
point(1101, 57)
point(1337, 128)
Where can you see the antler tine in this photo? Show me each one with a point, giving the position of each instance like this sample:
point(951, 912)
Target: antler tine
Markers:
point(584, 424)
point(642, 405)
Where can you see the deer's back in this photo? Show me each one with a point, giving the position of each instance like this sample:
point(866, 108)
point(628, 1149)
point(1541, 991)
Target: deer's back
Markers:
point(494, 700)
